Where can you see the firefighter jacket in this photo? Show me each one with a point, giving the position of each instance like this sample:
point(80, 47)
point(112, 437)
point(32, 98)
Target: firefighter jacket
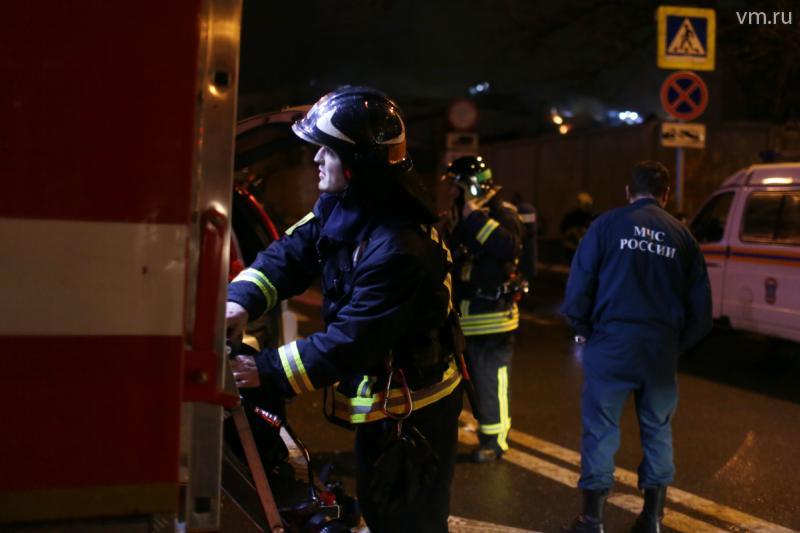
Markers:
point(638, 272)
point(386, 291)
point(487, 246)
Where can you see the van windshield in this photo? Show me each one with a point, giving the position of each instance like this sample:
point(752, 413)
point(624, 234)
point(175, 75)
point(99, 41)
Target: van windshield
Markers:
point(709, 224)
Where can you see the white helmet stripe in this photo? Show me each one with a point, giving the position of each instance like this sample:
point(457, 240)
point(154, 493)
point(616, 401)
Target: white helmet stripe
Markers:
point(397, 140)
point(326, 126)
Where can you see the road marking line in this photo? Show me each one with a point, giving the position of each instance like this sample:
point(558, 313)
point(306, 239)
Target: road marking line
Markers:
point(626, 477)
point(457, 524)
point(673, 519)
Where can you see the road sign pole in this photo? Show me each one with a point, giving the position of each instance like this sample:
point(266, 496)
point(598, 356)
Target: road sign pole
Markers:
point(679, 172)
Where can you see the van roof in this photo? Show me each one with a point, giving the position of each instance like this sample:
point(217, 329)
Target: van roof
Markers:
point(774, 174)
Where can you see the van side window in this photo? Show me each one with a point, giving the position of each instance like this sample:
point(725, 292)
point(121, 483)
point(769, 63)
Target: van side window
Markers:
point(709, 224)
point(789, 223)
point(772, 217)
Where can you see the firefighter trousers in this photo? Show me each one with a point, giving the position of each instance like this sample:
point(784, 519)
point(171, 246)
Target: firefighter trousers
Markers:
point(488, 359)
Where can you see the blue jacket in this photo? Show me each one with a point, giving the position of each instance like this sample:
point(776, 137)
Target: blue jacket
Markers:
point(639, 272)
point(386, 287)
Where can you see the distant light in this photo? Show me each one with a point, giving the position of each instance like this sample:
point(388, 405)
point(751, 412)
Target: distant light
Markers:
point(480, 88)
point(629, 117)
point(557, 119)
point(777, 181)
point(563, 129)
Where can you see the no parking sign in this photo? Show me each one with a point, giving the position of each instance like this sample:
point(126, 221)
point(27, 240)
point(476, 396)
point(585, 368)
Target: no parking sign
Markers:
point(684, 95)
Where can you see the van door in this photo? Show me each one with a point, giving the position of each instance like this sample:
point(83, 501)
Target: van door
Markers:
point(763, 272)
point(708, 228)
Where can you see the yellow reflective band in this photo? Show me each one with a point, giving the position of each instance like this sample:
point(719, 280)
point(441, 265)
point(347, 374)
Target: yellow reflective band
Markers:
point(361, 386)
point(435, 235)
point(359, 410)
point(447, 252)
point(486, 230)
point(502, 396)
point(262, 282)
point(466, 271)
point(464, 309)
point(491, 429)
point(488, 318)
point(488, 323)
point(288, 370)
point(448, 283)
point(300, 368)
point(300, 222)
point(488, 330)
point(364, 389)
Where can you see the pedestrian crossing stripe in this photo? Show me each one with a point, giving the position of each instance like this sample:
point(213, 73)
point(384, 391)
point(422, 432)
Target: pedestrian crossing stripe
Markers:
point(686, 41)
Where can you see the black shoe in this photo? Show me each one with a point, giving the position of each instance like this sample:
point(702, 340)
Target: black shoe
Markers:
point(649, 520)
point(590, 520)
point(485, 454)
point(582, 524)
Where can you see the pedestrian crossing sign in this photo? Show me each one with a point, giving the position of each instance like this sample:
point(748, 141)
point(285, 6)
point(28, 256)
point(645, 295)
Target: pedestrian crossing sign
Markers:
point(686, 38)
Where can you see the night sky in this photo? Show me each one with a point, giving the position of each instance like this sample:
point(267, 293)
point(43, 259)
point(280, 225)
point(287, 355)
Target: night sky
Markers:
point(587, 56)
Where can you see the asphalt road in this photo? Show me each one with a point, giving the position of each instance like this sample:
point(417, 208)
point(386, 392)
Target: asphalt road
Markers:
point(736, 435)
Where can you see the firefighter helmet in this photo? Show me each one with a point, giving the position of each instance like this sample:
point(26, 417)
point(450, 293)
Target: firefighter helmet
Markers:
point(362, 125)
point(472, 174)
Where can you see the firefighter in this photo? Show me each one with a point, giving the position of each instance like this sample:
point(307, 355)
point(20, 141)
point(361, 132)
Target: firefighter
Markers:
point(575, 223)
point(637, 296)
point(486, 237)
point(390, 323)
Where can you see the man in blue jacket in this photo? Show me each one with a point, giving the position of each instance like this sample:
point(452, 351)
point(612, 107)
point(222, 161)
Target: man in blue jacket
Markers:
point(638, 296)
point(391, 332)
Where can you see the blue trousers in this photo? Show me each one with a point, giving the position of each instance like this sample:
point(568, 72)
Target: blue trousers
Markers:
point(616, 366)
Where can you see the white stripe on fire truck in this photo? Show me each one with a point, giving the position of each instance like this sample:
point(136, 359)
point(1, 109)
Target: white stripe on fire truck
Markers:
point(92, 278)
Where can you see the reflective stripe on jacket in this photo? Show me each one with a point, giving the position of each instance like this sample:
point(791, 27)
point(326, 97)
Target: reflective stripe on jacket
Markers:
point(487, 323)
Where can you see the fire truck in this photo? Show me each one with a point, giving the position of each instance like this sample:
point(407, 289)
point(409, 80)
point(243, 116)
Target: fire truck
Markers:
point(117, 143)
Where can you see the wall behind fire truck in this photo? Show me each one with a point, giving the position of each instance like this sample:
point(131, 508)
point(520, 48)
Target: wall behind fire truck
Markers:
point(550, 171)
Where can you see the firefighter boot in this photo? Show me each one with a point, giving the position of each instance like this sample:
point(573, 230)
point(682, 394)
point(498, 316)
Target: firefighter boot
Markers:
point(590, 520)
point(649, 521)
point(485, 454)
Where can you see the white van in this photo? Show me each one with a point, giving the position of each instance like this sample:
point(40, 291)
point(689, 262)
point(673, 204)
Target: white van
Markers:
point(749, 233)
